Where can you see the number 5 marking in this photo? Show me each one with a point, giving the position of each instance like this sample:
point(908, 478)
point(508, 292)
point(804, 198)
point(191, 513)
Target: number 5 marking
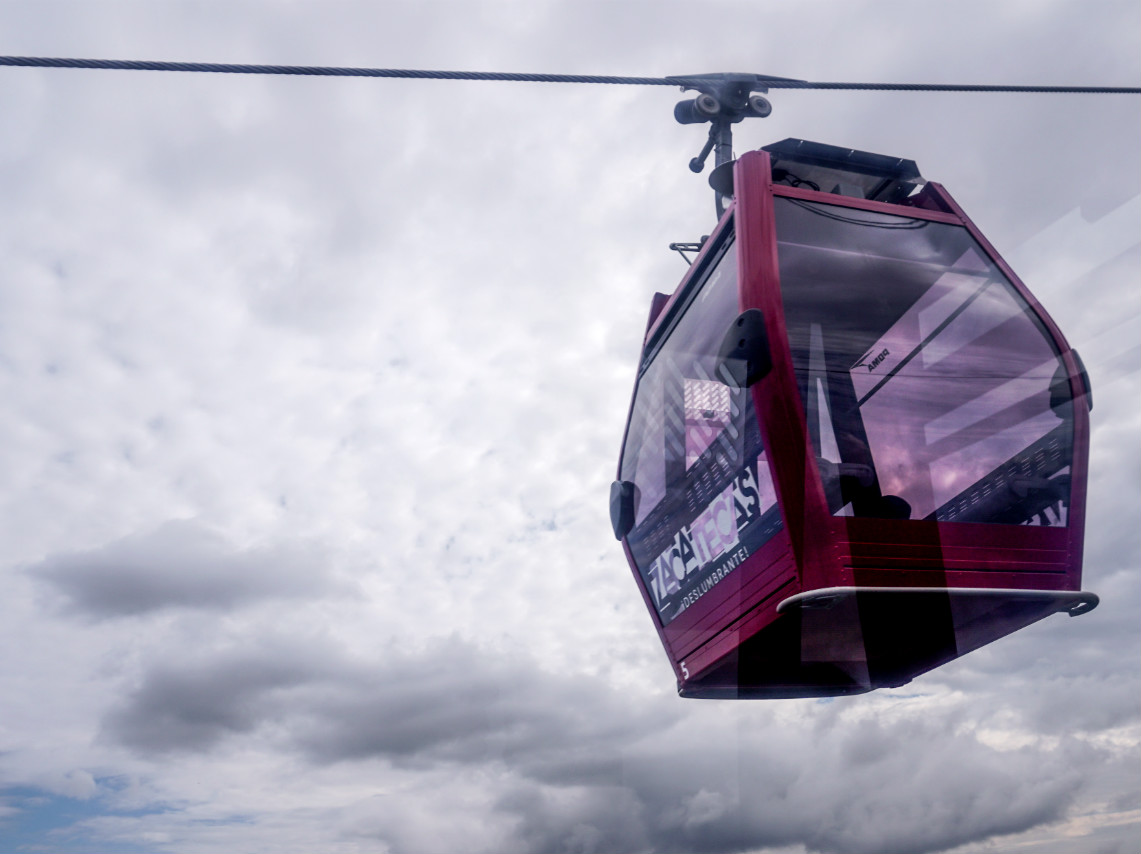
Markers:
point(684, 670)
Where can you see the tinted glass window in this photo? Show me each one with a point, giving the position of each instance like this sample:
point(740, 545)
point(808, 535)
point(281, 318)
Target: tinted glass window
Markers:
point(704, 499)
point(930, 388)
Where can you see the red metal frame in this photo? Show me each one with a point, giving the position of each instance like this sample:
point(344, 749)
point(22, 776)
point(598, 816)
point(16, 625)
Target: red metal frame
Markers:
point(817, 551)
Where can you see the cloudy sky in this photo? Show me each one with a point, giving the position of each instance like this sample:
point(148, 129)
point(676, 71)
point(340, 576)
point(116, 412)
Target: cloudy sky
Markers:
point(313, 391)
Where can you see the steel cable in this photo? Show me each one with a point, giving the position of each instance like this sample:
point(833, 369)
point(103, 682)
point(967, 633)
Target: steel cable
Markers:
point(405, 73)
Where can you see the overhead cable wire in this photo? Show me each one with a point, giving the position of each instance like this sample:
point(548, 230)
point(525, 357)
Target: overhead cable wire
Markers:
point(950, 87)
point(406, 73)
point(320, 71)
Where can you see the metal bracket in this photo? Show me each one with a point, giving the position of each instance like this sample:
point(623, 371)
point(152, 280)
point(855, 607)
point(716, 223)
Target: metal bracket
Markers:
point(682, 248)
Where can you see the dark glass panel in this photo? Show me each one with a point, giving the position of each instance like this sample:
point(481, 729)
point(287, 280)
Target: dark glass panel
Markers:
point(704, 498)
point(925, 377)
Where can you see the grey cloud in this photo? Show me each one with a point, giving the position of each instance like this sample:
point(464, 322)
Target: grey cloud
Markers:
point(193, 707)
point(180, 564)
point(876, 786)
point(583, 767)
point(456, 703)
point(919, 788)
point(449, 704)
point(586, 820)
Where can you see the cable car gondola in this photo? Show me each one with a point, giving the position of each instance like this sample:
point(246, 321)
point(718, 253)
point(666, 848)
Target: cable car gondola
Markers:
point(857, 446)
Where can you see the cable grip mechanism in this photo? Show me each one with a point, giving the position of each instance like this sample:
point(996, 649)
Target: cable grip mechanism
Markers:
point(723, 100)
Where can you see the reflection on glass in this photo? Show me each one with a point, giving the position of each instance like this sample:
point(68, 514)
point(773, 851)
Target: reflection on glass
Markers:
point(704, 498)
point(931, 391)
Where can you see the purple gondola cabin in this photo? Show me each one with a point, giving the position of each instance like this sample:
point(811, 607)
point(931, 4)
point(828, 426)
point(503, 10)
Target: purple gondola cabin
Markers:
point(857, 447)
